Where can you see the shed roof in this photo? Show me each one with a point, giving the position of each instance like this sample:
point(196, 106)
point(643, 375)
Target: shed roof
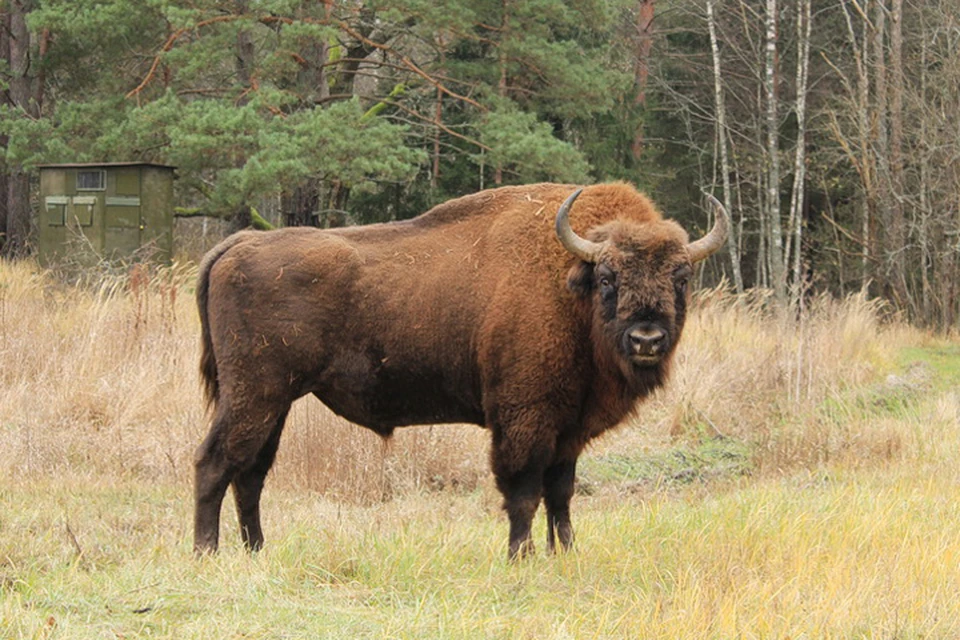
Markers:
point(91, 165)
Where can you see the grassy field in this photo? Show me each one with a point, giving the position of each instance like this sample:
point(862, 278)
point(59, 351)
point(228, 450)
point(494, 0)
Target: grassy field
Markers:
point(797, 479)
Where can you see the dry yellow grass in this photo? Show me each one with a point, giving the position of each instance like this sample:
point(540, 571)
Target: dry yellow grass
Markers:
point(836, 518)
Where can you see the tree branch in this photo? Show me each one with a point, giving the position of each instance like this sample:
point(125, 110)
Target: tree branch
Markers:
point(176, 35)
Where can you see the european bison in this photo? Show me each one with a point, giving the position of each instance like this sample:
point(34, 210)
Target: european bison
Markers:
point(472, 312)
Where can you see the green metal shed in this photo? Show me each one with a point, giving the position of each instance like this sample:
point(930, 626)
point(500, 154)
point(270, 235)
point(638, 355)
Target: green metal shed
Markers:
point(113, 210)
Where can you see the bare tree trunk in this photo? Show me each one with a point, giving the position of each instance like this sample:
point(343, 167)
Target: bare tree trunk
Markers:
point(313, 81)
point(763, 238)
point(41, 81)
point(502, 83)
point(645, 13)
point(926, 257)
point(23, 97)
point(881, 150)
point(923, 224)
point(438, 118)
point(720, 107)
point(898, 230)
point(774, 226)
point(837, 241)
point(799, 164)
point(357, 51)
point(738, 193)
point(862, 159)
point(870, 247)
point(4, 139)
point(947, 288)
point(243, 64)
point(301, 207)
point(245, 52)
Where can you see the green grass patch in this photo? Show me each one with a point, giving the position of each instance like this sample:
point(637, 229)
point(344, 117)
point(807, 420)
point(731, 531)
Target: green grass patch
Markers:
point(901, 393)
point(944, 359)
point(705, 459)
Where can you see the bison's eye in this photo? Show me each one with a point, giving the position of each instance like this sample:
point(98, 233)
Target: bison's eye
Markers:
point(681, 278)
point(606, 280)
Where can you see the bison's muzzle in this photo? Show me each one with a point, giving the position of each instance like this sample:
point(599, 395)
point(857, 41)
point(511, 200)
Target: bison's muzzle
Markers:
point(646, 343)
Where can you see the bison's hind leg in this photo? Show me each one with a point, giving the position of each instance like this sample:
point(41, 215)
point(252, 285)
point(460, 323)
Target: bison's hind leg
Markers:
point(212, 475)
point(239, 449)
point(248, 484)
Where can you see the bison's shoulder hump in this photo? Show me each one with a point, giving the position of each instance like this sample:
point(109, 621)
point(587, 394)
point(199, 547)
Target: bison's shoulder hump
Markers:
point(617, 200)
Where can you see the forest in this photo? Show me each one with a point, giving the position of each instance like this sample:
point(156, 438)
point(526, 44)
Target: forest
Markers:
point(829, 129)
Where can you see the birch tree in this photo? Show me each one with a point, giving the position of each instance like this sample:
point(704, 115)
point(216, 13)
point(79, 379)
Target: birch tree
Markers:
point(799, 163)
point(898, 231)
point(721, 137)
point(774, 225)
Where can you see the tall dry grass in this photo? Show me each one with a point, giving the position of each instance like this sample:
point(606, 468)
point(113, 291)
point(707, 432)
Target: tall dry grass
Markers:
point(751, 371)
point(101, 381)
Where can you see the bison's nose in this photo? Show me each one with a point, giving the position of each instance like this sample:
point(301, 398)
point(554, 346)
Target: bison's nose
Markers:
point(647, 339)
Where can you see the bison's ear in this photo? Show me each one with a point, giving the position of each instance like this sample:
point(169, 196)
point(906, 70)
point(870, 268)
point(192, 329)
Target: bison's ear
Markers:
point(580, 279)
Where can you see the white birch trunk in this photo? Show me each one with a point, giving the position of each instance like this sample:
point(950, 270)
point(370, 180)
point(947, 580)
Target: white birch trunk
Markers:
point(732, 238)
point(861, 104)
point(774, 225)
point(881, 149)
point(926, 255)
point(898, 229)
point(799, 164)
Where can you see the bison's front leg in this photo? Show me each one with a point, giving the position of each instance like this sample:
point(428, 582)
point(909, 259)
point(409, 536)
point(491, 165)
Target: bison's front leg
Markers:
point(519, 457)
point(521, 495)
point(558, 483)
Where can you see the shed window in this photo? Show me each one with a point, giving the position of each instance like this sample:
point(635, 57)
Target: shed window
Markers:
point(56, 214)
point(91, 180)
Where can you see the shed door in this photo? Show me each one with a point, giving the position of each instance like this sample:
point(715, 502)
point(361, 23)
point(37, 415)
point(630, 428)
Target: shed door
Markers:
point(122, 214)
point(123, 228)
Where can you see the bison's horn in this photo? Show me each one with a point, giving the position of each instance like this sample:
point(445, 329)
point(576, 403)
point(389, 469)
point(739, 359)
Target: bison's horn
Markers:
point(584, 249)
point(711, 243)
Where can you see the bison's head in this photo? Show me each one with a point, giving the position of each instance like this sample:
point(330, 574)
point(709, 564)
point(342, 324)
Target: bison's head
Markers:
point(636, 277)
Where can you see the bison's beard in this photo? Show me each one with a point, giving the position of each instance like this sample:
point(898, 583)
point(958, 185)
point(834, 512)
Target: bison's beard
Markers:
point(642, 379)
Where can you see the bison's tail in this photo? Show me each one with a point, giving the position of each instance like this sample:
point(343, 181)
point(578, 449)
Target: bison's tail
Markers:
point(208, 360)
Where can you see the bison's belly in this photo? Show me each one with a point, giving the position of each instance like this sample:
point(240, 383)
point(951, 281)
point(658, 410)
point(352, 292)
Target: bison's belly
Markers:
point(383, 398)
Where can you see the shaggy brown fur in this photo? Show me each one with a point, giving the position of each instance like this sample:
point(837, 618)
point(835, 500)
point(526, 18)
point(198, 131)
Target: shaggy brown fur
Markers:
point(472, 312)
